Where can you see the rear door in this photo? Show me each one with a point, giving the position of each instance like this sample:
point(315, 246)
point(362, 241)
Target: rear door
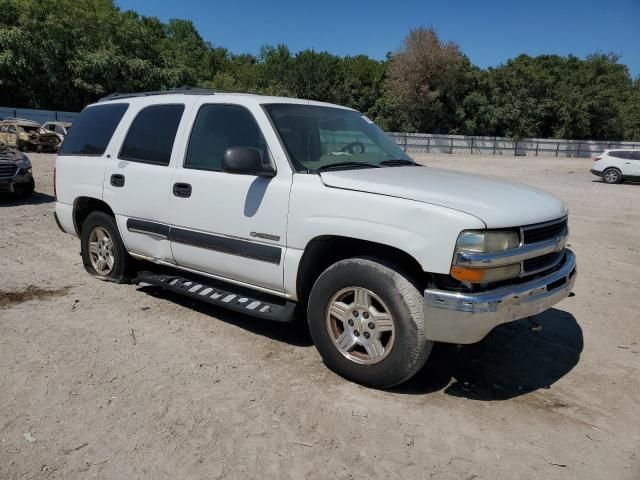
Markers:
point(137, 181)
point(634, 163)
point(229, 225)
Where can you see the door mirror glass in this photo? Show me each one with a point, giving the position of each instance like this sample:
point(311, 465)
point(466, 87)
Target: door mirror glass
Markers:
point(246, 161)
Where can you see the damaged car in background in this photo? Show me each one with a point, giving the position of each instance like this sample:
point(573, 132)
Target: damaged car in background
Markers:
point(27, 135)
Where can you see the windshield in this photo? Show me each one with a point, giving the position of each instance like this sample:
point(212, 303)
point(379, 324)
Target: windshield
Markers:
point(318, 137)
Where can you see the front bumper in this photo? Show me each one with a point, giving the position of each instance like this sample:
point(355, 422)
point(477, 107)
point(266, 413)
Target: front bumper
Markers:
point(7, 184)
point(456, 317)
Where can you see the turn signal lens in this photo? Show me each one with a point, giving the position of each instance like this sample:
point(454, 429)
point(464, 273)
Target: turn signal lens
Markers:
point(485, 275)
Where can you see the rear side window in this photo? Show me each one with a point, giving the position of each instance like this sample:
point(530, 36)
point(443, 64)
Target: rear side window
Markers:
point(93, 129)
point(625, 155)
point(152, 134)
point(218, 127)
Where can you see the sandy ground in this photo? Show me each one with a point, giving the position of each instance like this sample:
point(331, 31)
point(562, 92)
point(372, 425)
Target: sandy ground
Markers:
point(111, 381)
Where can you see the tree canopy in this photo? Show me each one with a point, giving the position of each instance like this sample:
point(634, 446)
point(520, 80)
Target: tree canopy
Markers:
point(64, 54)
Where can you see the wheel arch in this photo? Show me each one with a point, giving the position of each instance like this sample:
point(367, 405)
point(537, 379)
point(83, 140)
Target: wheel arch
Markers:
point(325, 250)
point(83, 206)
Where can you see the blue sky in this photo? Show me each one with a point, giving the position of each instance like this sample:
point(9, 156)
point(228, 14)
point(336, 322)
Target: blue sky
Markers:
point(488, 31)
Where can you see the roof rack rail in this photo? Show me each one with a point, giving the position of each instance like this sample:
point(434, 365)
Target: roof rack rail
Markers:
point(184, 90)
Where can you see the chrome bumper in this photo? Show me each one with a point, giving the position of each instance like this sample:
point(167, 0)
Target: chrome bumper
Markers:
point(456, 317)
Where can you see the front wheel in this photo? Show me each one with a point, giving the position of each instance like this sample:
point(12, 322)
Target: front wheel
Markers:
point(367, 322)
point(25, 190)
point(102, 249)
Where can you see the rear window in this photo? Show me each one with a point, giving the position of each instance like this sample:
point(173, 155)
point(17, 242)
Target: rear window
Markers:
point(93, 130)
point(151, 136)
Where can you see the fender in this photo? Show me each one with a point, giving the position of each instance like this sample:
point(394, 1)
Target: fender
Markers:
point(426, 232)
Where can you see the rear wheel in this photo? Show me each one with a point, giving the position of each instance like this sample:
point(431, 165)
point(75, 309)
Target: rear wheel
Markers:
point(103, 253)
point(612, 175)
point(367, 322)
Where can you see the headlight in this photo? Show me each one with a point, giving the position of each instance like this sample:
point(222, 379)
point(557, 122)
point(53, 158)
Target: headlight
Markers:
point(487, 242)
point(478, 241)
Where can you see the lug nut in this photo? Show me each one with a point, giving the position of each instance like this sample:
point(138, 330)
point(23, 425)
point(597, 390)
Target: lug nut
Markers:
point(367, 334)
point(371, 325)
point(354, 313)
point(350, 322)
point(365, 315)
point(356, 333)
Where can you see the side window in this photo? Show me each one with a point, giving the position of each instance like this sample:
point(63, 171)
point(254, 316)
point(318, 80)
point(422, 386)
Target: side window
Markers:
point(635, 155)
point(624, 155)
point(93, 130)
point(218, 127)
point(3, 128)
point(152, 134)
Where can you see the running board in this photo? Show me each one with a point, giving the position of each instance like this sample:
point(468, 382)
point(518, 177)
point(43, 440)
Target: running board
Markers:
point(231, 297)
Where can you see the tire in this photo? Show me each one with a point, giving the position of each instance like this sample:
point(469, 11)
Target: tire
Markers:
point(343, 288)
point(116, 263)
point(25, 190)
point(612, 175)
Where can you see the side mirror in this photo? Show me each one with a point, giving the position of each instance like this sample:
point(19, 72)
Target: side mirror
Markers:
point(246, 161)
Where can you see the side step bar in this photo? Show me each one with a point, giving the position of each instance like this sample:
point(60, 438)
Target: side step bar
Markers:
point(230, 296)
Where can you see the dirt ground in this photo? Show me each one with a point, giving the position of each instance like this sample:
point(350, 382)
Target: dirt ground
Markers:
point(113, 381)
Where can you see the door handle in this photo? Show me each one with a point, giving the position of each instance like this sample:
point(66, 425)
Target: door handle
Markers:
point(117, 180)
point(182, 190)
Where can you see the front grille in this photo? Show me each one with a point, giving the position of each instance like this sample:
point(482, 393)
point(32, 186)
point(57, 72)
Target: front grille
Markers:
point(547, 231)
point(8, 171)
point(543, 262)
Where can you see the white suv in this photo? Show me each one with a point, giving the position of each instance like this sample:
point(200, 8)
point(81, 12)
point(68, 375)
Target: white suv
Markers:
point(259, 204)
point(615, 166)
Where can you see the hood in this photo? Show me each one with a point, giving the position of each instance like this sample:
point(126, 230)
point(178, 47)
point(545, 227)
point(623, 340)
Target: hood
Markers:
point(497, 203)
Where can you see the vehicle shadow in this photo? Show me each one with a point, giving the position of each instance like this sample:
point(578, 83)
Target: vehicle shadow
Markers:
point(294, 333)
point(38, 198)
point(514, 359)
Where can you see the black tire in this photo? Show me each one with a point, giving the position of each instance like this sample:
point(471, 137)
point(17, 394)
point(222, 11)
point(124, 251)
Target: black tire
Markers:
point(410, 349)
point(612, 175)
point(25, 190)
point(122, 262)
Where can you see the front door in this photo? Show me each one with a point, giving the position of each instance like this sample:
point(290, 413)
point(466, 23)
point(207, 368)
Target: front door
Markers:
point(229, 225)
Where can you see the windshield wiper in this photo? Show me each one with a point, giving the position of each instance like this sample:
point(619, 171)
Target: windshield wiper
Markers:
point(399, 162)
point(346, 165)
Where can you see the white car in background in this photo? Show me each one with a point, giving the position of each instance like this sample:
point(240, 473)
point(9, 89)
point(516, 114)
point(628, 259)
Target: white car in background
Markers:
point(615, 166)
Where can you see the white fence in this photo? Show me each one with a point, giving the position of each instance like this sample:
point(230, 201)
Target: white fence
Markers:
point(433, 143)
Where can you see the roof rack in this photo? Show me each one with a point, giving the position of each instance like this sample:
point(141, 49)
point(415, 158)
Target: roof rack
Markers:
point(182, 90)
